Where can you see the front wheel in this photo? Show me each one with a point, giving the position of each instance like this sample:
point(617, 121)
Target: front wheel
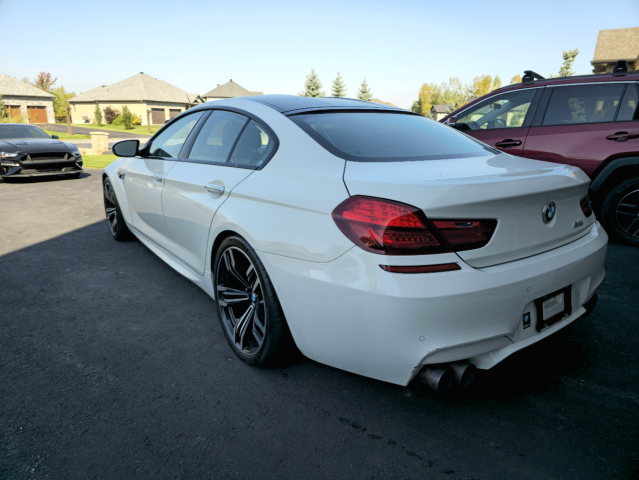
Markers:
point(248, 307)
point(620, 211)
point(118, 228)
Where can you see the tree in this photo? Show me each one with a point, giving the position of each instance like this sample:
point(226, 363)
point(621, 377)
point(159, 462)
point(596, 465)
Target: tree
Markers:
point(97, 114)
point(338, 89)
point(312, 86)
point(515, 79)
point(416, 107)
point(569, 57)
point(127, 118)
point(44, 81)
point(364, 92)
point(3, 109)
point(26, 80)
point(483, 84)
point(61, 102)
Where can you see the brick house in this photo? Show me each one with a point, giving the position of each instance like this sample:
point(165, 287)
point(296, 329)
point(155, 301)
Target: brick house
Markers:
point(26, 100)
point(613, 45)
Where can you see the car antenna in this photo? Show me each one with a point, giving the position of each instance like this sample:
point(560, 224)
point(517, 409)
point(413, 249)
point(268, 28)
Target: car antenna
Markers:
point(621, 68)
point(530, 77)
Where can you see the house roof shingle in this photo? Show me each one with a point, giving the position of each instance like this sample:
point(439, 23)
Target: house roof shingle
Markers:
point(617, 44)
point(443, 108)
point(136, 88)
point(230, 90)
point(13, 86)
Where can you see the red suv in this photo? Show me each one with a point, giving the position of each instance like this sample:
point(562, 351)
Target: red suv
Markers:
point(590, 121)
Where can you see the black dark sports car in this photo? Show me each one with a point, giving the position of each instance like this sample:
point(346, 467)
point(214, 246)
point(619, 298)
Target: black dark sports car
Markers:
point(27, 151)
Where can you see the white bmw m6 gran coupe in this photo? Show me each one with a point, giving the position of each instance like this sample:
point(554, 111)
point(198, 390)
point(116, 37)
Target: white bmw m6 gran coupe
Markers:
point(378, 241)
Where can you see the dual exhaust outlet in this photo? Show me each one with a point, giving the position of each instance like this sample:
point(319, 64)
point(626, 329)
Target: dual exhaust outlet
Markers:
point(442, 377)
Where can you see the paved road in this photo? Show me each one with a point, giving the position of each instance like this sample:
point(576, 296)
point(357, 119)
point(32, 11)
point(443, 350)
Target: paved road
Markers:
point(58, 127)
point(113, 366)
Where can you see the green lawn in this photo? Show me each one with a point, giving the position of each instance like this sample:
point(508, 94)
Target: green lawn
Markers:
point(97, 161)
point(66, 136)
point(136, 129)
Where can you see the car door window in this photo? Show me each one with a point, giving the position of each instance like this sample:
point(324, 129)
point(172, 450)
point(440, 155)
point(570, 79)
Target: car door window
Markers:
point(171, 140)
point(577, 104)
point(217, 137)
point(629, 109)
point(253, 147)
point(507, 110)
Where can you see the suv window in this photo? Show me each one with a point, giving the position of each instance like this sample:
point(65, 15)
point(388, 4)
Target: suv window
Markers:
point(387, 137)
point(507, 110)
point(578, 104)
point(629, 105)
point(253, 147)
point(169, 143)
point(217, 137)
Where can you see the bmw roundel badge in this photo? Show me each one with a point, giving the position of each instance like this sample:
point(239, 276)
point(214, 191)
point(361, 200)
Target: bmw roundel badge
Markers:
point(548, 213)
point(253, 297)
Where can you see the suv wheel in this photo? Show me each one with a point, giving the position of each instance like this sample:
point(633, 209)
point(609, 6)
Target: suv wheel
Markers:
point(620, 211)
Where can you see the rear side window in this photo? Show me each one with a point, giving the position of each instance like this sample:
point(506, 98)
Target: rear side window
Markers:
point(253, 147)
point(578, 104)
point(629, 109)
point(387, 137)
point(217, 137)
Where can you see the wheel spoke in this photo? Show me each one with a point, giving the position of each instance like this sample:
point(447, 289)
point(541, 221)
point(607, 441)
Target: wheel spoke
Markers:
point(228, 295)
point(229, 262)
point(108, 194)
point(242, 325)
point(630, 230)
point(110, 212)
point(259, 328)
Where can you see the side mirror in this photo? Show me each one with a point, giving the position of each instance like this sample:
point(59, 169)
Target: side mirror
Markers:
point(55, 137)
point(126, 148)
point(451, 120)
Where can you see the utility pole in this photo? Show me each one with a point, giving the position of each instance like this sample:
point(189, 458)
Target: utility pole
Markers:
point(148, 120)
point(67, 108)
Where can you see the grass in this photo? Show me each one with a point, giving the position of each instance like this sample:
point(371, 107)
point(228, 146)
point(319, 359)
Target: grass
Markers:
point(97, 161)
point(66, 136)
point(135, 129)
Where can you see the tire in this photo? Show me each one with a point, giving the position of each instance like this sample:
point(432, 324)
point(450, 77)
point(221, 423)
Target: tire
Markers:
point(247, 304)
point(115, 220)
point(73, 175)
point(620, 212)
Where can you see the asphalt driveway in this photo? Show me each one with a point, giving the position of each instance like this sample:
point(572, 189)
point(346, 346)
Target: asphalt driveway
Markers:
point(114, 366)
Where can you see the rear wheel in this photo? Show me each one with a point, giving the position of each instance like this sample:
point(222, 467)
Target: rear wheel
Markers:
point(248, 307)
point(118, 228)
point(620, 211)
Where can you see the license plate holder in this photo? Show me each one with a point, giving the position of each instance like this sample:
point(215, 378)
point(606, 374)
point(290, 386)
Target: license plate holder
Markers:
point(567, 310)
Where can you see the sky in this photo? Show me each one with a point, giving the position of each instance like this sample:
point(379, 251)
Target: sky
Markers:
point(271, 46)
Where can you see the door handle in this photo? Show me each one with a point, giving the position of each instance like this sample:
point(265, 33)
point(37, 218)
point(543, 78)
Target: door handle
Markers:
point(157, 177)
point(622, 136)
point(211, 187)
point(508, 143)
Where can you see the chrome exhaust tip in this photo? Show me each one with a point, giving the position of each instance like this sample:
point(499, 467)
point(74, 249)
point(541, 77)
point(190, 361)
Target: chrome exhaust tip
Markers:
point(439, 379)
point(464, 372)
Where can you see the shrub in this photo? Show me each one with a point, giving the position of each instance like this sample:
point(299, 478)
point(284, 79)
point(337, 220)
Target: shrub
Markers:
point(110, 114)
point(14, 119)
point(97, 114)
point(127, 118)
point(117, 120)
point(136, 119)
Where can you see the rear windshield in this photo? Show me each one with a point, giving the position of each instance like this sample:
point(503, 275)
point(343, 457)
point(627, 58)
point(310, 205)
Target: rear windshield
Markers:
point(388, 137)
point(8, 132)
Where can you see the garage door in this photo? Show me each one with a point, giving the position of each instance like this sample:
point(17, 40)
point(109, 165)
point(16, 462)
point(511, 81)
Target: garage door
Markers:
point(174, 112)
point(14, 110)
point(37, 114)
point(157, 116)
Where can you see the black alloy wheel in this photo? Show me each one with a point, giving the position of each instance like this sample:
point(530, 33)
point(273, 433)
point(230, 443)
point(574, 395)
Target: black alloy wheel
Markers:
point(118, 228)
point(249, 311)
point(620, 211)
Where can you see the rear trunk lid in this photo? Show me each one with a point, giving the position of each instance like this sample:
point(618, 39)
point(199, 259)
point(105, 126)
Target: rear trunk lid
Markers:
point(512, 190)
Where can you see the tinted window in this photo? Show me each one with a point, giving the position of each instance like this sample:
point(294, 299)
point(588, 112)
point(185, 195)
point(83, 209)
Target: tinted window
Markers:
point(18, 131)
point(383, 137)
point(170, 141)
point(253, 147)
point(583, 104)
point(629, 105)
point(502, 111)
point(217, 137)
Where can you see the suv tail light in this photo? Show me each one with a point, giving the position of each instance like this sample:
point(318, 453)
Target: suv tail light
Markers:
point(584, 203)
point(387, 227)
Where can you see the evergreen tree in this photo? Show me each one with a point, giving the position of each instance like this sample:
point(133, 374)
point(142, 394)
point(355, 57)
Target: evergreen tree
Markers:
point(569, 57)
point(97, 114)
point(127, 118)
point(3, 109)
point(364, 92)
point(338, 89)
point(312, 86)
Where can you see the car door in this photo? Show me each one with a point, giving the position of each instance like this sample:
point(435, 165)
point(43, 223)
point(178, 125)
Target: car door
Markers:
point(144, 178)
point(501, 121)
point(578, 125)
point(226, 149)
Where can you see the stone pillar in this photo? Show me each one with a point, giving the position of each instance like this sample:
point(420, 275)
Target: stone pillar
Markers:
point(99, 142)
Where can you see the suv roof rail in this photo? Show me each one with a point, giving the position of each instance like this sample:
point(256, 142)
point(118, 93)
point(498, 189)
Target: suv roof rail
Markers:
point(530, 77)
point(621, 68)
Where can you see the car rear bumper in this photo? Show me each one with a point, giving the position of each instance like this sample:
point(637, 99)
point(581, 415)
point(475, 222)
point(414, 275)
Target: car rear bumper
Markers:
point(352, 315)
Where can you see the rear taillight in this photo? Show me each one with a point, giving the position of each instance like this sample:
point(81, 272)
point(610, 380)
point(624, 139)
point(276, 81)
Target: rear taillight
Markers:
point(466, 234)
point(387, 227)
point(585, 206)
